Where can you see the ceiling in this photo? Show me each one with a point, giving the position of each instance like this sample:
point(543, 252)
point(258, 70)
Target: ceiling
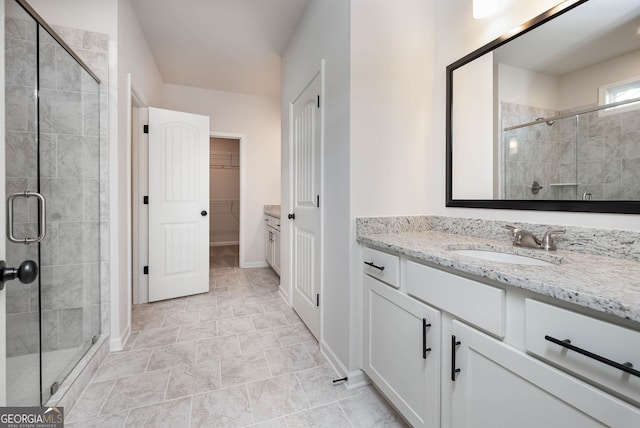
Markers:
point(225, 45)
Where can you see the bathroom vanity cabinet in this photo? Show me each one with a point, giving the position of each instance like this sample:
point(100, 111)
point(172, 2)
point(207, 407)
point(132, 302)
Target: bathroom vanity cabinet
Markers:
point(272, 242)
point(449, 350)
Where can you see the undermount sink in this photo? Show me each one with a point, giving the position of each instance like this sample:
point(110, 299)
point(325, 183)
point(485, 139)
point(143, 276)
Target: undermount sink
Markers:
point(497, 256)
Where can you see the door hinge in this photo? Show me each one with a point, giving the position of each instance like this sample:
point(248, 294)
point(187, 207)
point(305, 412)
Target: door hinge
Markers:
point(145, 129)
point(318, 101)
point(317, 300)
point(145, 200)
point(145, 270)
point(318, 201)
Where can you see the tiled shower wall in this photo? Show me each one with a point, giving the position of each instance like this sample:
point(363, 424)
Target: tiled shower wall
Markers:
point(74, 272)
point(596, 153)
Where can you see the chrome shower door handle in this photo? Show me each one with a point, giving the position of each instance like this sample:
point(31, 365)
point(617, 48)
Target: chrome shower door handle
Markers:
point(43, 216)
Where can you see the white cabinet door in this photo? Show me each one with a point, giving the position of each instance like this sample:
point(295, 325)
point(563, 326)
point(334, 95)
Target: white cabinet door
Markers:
point(276, 251)
point(178, 204)
point(402, 351)
point(268, 245)
point(499, 386)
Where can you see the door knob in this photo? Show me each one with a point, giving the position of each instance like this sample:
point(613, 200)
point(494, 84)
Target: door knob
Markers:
point(203, 213)
point(26, 273)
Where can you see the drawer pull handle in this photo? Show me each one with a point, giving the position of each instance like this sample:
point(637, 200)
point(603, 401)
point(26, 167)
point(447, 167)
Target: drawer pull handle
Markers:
point(625, 367)
point(425, 326)
point(374, 266)
point(454, 371)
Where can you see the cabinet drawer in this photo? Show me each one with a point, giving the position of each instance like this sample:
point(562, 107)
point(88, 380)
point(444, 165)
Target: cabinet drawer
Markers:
point(544, 323)
point(381, 265)
point(273, 222)
point(477, 303)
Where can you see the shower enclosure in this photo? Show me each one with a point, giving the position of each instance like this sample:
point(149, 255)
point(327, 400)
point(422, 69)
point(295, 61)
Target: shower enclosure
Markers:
point(591, 154)
point(52, 148)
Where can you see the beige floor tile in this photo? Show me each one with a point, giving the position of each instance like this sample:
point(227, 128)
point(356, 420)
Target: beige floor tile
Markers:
point(173, 413)
point(179, 354)
point(243, 369)
point(249, 308)
point(215, 314)
point(288, 359)
point(258, 341)
point(126, 363)
point(198, 331)
point(194, 379)
point(180, 318)
point(370, 410)
point(235, 325)
point(89, 404)
point(240, 350)
point(276, 397)
point(318, 385)
point(329, 416)
point(294, 334)
point(269, 320)
point(227, 408)
point(157, 337)
point(106, 421)
point(218, 347)
point(136, 391)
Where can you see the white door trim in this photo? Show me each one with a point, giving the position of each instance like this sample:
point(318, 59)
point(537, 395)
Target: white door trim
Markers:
point(243, 200)
point(137, 185)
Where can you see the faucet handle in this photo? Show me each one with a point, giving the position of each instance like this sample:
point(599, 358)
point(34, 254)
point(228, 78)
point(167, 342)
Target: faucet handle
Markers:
point(547, 240)
point(512, 228)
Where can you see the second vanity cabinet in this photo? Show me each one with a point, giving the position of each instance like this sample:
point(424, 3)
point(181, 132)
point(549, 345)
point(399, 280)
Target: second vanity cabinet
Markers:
point(481, 370)
point(272, 242)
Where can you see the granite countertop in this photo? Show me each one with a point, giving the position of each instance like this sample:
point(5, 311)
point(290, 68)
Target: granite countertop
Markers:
point(272, 210)
point(605, 284)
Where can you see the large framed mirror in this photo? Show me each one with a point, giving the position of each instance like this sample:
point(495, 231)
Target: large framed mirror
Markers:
point(547, 117)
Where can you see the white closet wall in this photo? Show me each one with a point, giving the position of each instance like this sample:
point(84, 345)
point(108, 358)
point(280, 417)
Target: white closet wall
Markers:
point(224, 185)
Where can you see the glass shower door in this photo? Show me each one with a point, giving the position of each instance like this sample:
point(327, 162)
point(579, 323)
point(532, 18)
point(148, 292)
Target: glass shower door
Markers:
point(22, 301)
point(52, 147)
point(69, 159)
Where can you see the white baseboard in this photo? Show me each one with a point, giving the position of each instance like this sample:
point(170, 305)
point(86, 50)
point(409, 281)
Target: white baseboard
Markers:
point(284, 294)
point(251, 265)
point(220, 244)
point(355, 378)
point(116, 343)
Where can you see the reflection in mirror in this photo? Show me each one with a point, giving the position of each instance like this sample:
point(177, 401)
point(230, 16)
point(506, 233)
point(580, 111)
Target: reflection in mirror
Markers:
point(550, 118)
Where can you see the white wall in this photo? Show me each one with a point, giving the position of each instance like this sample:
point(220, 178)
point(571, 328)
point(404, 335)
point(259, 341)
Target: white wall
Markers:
point(392, 46)
point(473, 110)
point(528, 88)
point(258, 119)
point(323, 33)
point(469, 35)
point(580, 88)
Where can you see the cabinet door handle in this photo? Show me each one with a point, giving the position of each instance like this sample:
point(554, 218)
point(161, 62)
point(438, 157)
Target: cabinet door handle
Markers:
point(454, 370)
point(625, 367)
point(374, 266)
point(425, 326)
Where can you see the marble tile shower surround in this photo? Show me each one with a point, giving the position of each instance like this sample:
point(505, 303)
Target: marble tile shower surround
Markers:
point(599, 151)
point(618, 244)
point(75, 280)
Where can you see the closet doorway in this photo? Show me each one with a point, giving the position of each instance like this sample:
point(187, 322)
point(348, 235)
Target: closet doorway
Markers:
point(224, 202)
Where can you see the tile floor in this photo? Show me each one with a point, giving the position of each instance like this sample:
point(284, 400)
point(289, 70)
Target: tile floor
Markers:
point(234, 357)
point(224, 256)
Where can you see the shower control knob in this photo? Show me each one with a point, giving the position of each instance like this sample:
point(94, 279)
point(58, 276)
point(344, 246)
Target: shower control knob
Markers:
point(26, 273)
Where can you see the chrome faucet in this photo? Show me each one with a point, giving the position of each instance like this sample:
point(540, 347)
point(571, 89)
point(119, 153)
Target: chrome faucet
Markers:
point(523, 238)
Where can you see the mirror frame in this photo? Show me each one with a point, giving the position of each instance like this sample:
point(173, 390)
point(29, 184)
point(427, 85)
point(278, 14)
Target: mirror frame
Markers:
point(622, 206)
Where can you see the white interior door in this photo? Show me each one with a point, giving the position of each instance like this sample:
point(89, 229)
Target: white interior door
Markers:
point(306, 231)
point(178, 204)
